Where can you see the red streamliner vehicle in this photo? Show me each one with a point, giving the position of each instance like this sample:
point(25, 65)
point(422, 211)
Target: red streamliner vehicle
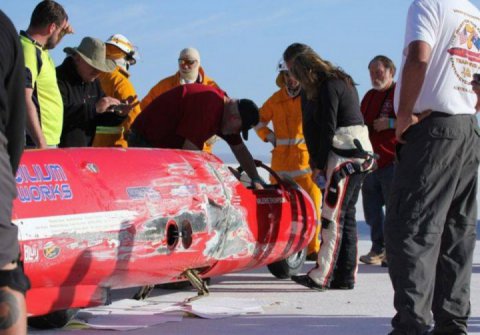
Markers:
point(95, 219)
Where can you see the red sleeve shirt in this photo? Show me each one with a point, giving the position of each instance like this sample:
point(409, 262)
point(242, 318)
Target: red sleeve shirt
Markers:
point(191, 111)
point(377, 104)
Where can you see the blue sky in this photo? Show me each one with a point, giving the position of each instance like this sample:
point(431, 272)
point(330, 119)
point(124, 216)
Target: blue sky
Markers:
point(240, 41)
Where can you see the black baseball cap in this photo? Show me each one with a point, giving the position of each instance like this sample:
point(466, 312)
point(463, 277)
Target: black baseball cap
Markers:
point(250, 116)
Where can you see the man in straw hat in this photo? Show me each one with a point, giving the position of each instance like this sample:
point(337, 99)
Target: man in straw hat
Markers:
point(85, 104)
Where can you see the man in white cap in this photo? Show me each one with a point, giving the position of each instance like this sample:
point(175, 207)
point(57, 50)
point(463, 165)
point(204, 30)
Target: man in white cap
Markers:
point(85, 104)
point(189, 71)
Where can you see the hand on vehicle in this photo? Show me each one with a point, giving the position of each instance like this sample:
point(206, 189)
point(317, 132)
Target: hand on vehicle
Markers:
point(258, 183)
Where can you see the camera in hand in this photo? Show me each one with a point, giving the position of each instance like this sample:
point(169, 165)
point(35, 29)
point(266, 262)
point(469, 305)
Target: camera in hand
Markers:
point(117, 108)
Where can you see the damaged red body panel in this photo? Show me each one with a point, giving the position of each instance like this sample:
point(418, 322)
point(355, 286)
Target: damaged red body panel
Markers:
point(94, 219)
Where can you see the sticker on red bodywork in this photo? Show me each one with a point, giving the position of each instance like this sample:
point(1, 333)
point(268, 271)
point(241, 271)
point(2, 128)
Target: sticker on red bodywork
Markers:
point(30, 254)
point(143, 192)
point(271, 201)
point(51, 250)
point(39, 183)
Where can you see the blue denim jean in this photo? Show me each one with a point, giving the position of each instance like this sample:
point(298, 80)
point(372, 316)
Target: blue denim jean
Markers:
point(375, 192)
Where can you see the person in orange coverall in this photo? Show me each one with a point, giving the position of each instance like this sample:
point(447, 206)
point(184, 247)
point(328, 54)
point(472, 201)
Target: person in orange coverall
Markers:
point(118, 85)
point(189, 71)
point(289, 155)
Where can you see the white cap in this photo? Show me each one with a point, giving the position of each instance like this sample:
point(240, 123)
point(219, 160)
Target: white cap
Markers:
point(282, 66)
point(125, 45)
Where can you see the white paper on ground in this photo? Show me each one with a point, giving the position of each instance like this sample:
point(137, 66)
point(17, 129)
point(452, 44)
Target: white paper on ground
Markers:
point(223, 307)
point(128, 314)
point(123, 322)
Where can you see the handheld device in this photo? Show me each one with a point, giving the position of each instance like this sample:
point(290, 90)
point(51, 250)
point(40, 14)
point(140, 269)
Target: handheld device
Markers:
point(117, 108)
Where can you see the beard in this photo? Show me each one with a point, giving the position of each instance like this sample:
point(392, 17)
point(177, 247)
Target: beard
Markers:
point(51, 43)
point(381, 85)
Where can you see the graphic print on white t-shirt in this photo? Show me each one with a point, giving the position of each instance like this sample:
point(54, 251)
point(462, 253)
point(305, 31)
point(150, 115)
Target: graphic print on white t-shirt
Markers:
point(465, 51)
point(452, 29)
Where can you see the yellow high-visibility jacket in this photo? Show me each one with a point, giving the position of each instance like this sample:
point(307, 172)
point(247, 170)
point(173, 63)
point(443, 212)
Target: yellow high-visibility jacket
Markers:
point(117, 85)
point(290, 155)
point(173, 81)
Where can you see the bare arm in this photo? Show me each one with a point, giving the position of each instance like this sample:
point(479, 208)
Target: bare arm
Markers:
point(244, 157)
point(33, 123)
point(413, 75)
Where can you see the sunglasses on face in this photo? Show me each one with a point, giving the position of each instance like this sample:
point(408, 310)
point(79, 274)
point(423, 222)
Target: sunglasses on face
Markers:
point(186, 61)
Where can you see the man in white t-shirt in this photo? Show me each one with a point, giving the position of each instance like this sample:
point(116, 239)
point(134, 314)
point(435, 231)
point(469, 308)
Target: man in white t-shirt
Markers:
point(431, 214)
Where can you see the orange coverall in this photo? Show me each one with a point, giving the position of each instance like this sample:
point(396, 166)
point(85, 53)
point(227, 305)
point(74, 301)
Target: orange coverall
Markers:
point(290, 156)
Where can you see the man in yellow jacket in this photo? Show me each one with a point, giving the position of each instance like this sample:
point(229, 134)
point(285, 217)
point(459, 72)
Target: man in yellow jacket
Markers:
point(118, 85)
point(289, 155)
point(189, 71)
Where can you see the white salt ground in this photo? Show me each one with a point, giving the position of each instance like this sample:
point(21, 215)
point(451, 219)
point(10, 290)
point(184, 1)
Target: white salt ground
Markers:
point(289, 308)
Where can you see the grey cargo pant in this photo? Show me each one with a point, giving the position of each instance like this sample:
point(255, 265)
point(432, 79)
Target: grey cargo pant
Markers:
point(430, 228)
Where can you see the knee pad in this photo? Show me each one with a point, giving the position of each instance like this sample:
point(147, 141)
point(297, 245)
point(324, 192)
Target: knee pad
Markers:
point(15, 279)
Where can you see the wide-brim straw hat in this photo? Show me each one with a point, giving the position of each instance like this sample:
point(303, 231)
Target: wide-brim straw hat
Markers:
point(93, 51)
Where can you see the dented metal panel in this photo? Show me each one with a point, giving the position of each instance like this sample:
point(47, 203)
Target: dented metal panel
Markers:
point(91, 219)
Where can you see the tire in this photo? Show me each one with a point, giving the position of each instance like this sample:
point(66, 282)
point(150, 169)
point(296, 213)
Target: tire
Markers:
point(290, 266)
point(57, 319)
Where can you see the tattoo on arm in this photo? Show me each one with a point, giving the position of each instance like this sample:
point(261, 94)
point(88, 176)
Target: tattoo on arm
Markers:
point(9, 309)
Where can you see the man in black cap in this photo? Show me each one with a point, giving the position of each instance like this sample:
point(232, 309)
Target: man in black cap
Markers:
point(186, 116)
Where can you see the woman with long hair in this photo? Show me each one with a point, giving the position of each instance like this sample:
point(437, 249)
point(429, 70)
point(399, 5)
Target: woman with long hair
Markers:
point(340, 156)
